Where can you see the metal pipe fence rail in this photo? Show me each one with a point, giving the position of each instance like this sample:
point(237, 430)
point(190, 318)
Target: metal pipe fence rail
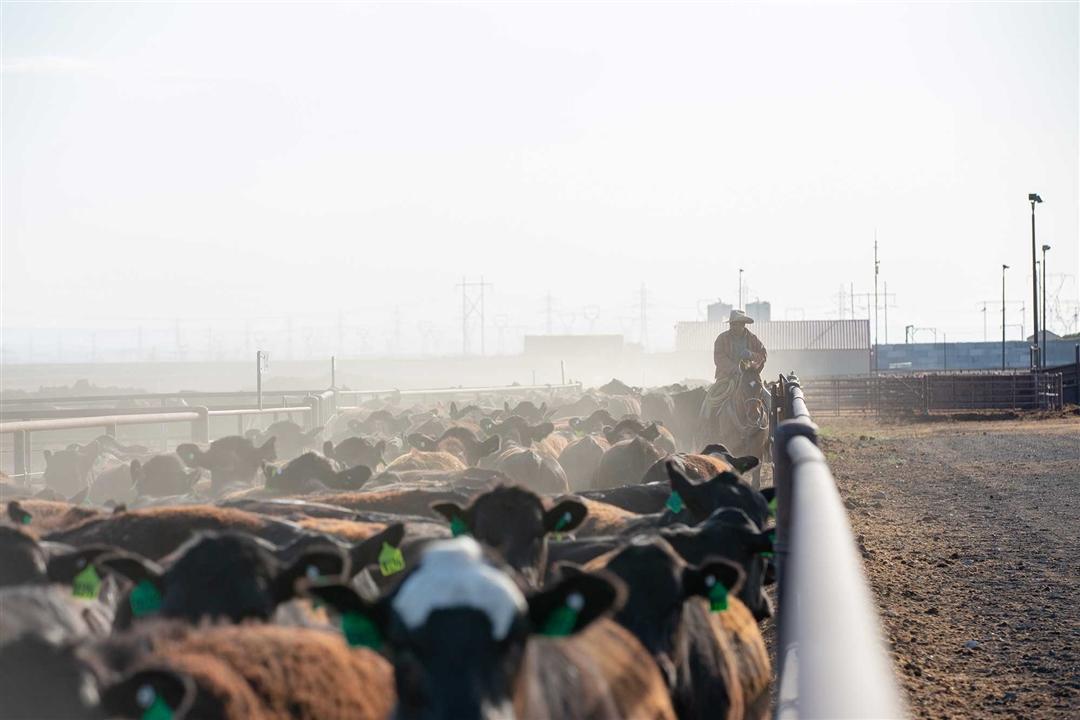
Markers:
point(312, 408)
point(831, 661)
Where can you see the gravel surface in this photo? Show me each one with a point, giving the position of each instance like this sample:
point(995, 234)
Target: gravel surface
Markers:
point(971, 533)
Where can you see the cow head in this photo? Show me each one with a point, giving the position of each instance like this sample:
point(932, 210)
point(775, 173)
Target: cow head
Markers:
point(730, 533)
point(658, 583)
point(515, 521)
point(68, 471)
point(456, 628)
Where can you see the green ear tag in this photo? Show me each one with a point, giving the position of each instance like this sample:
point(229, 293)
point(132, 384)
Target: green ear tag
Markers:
point(772, 506)
point(26, 518)
point(457, 527)
point(718, 597)
point(563, 619)
point(145, 599)
point(766, 553)
point(359, 631)
point(391, 560)
point(675, 503)
point(158, 710)
point(563, 521)
point(86, 584)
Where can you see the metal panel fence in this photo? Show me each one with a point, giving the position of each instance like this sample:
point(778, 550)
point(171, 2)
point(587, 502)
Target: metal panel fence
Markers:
point(914, 394)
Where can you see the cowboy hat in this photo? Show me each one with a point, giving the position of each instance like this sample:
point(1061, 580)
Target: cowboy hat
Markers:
point(738, 316)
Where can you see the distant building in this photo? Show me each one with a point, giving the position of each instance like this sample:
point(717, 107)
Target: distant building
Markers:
point(1049, 336)
point(761, 311)
point(719, 311)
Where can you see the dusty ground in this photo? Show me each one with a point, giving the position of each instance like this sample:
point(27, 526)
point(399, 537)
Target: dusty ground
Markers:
point(971, 536)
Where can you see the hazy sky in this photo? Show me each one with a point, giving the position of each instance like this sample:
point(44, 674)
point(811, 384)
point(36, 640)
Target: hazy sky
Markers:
point(218, 162)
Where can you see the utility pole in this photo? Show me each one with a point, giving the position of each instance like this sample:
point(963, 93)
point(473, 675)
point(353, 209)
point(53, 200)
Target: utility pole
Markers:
point(1042, 356)
point(1034, 198)
point(876, 265)
point(1003, 269)
point(740, 304)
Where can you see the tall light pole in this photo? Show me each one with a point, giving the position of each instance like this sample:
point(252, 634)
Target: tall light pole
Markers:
point(1034, 198)
point(740, 305)
point(1043, 356)
point(1003, 269)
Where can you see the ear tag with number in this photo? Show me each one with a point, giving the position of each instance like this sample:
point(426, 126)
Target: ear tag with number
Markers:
point(564, 618)
point(675, 503)
point(359, 631)
point(145, 599)
point(717, 594)
point(772, 506)
point(457, 527)
point(86, 584)
point(154, 705)
point(391, 560)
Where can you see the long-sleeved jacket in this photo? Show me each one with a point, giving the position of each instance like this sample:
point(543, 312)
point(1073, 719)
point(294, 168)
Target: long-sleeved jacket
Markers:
point(728, 348)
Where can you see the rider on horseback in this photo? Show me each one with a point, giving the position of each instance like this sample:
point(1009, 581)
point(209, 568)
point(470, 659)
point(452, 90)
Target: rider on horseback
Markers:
point(737, 345)
point(736, 351)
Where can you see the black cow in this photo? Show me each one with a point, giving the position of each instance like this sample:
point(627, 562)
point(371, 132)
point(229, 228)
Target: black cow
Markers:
point(516, 522)
point(312, 472)
point(462, 637)
point(230, 460)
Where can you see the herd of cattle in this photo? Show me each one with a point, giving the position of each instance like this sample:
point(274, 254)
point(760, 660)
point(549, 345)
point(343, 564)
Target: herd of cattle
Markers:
point(571, 558)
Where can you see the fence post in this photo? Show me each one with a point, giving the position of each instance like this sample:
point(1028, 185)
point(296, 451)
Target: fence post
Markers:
point(200, 428)
point(314, 417)
point(110, 430)
point(22, 456)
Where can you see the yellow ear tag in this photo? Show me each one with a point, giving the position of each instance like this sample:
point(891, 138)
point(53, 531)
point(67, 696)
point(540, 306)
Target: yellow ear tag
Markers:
point(391, 560)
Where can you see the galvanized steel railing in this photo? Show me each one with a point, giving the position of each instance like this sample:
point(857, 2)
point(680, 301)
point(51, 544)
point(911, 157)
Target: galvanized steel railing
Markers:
point(831, 661)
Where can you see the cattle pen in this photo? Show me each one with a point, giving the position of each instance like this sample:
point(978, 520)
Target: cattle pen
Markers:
point(828, 636)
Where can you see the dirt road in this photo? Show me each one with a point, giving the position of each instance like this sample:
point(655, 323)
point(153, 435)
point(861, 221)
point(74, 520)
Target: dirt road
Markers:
point(971, 536)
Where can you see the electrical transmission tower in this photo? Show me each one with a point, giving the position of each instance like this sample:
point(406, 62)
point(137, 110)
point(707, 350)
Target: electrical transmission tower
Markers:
point(472, 305)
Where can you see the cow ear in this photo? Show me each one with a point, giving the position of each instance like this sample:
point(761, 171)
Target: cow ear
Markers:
point(679, 482)
point(454, 414)
point(565, 516)
point(541, 431)
point(380, 448)
point(64, 567)
point(506, 406)
point(18, 514)
point(319, 561)
point(460, 519)
point(328, 449)
point(352, 478)
point(422, 442)
point(762, 542)
point(609, 434)
point(703, 581)
point(745, 463)
point(269, 472)
point(574, 602)
point(651, 432)
point(489, 446)
point(382, 548)
point(150, 693)
point(189, 453)
point(361, 622)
